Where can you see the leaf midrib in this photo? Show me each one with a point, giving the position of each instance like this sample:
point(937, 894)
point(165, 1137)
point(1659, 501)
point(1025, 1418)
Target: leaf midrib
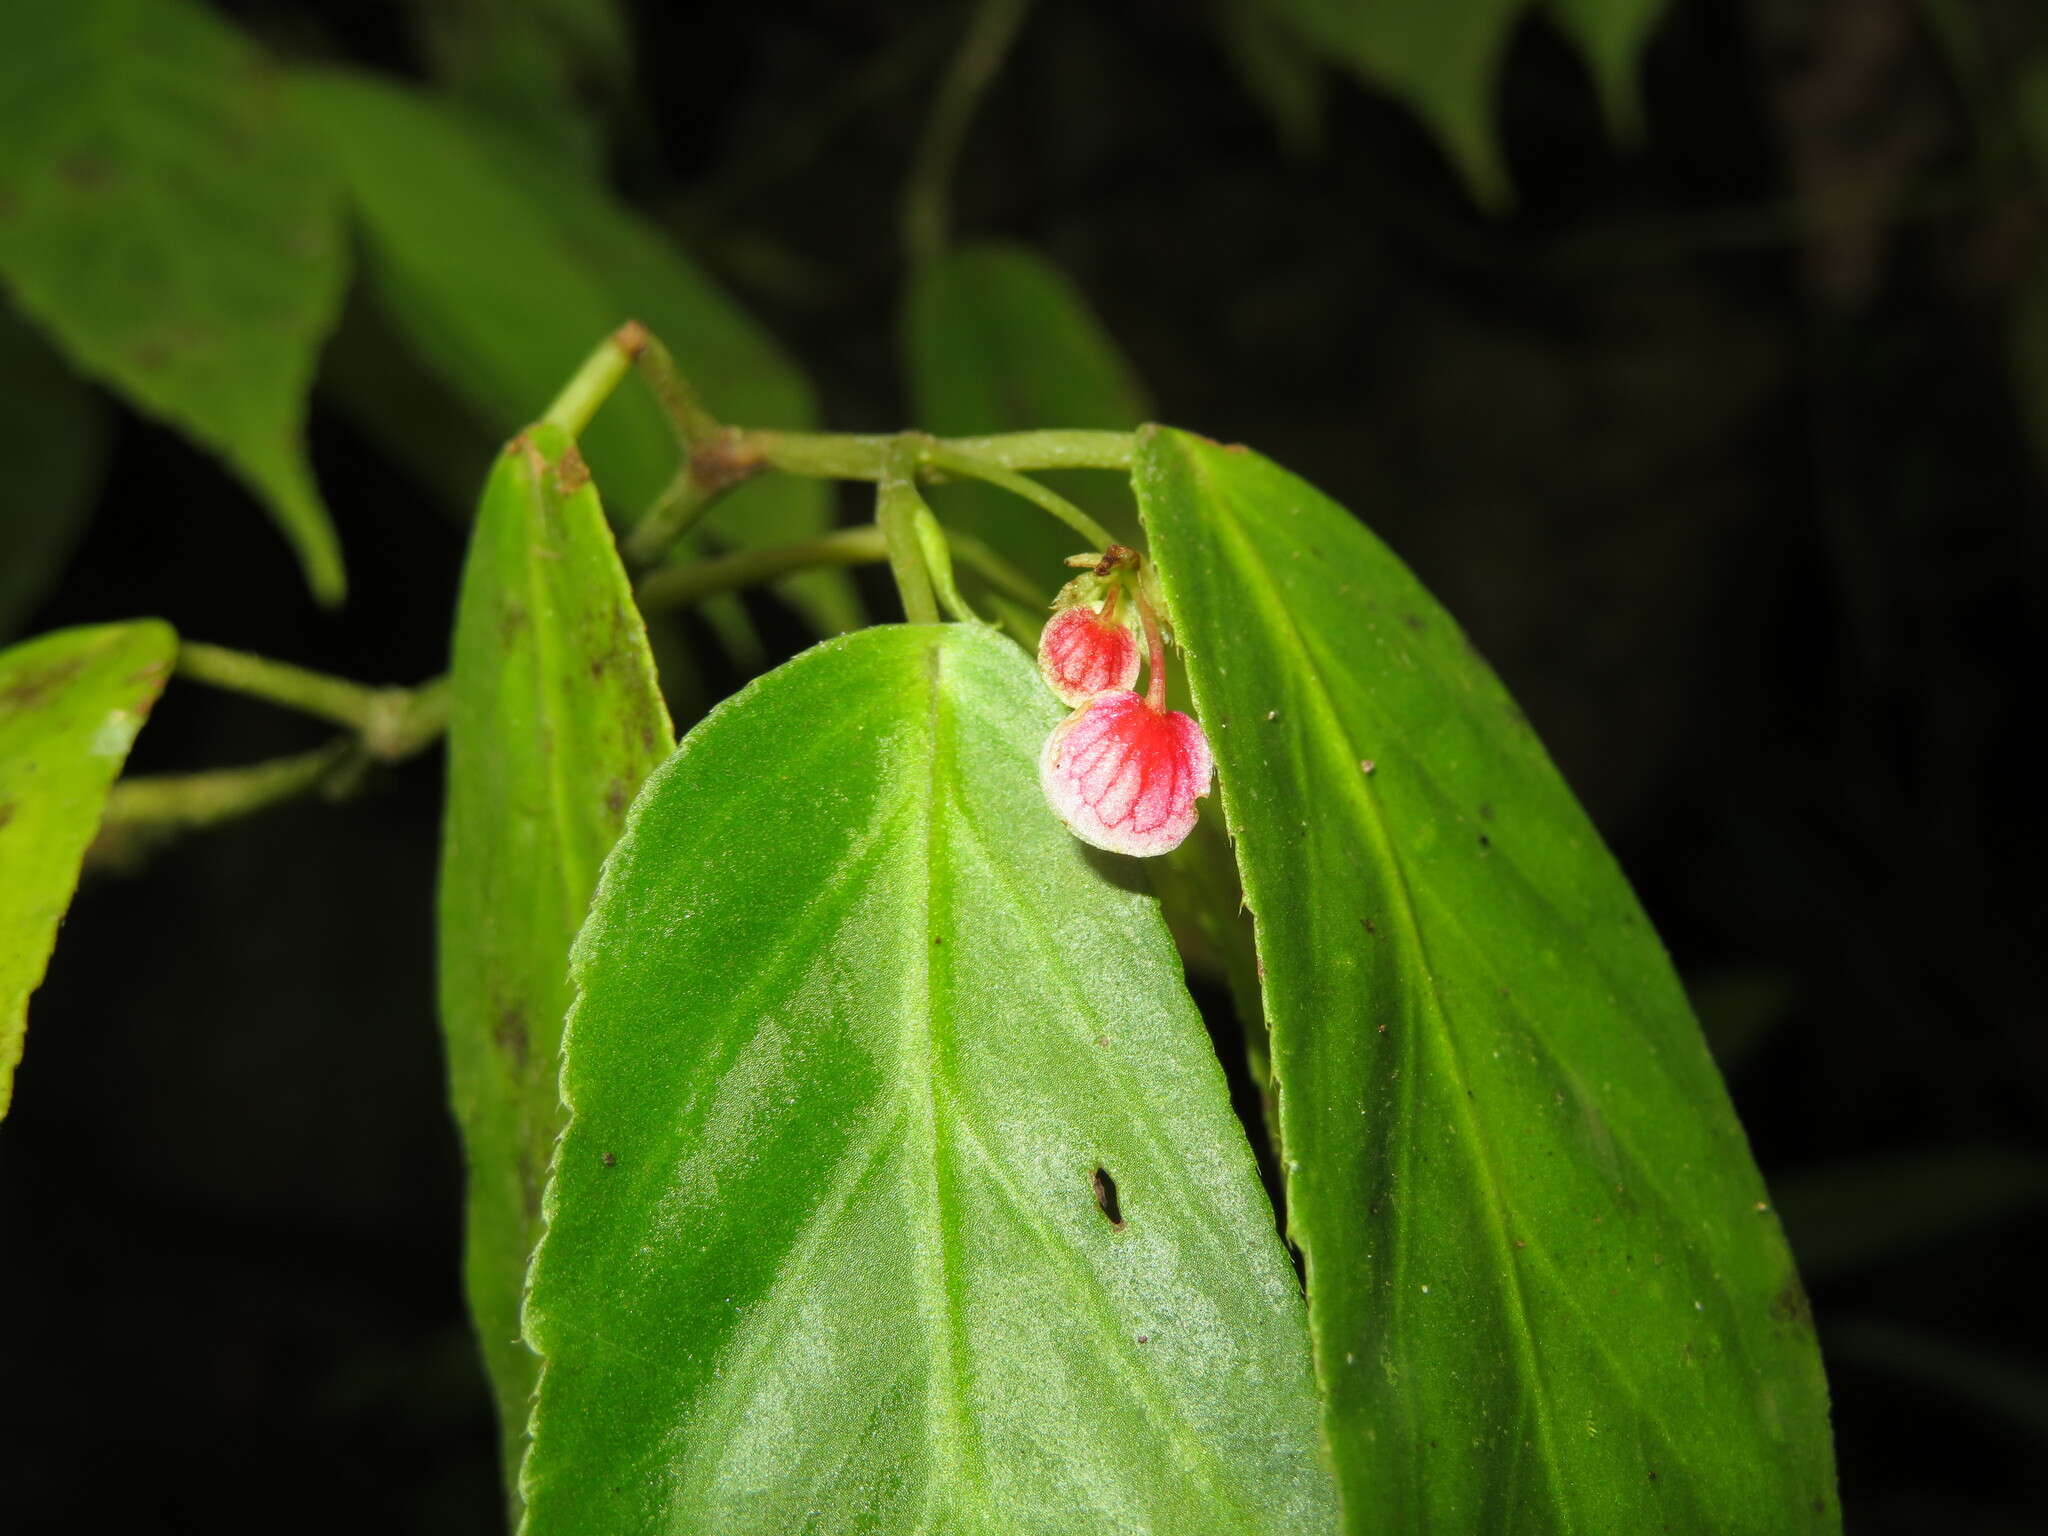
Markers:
point(1365, 810)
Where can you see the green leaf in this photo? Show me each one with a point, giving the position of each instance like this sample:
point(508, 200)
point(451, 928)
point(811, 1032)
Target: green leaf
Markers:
point(52, 438)
point(1612, 35)
point(857, 1026)
point(1545, 1287)
point(70, 705)
point(551, 71)
point(996, 339)
point(504, 270)
point(162, 220)
point(1442, 57)
point(1281, 73)
point(554, 720)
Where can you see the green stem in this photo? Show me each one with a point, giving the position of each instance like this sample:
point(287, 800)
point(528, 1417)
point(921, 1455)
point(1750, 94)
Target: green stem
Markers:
point(852, 456)
point(948, 458)
point(186, 802)
point(938, 560)
point(676, 396)
point(677, 586)
point(994, 569)
point(278, 682)
point(141, 812)
point(989, 35)
point(897, 505)
point(593, 383)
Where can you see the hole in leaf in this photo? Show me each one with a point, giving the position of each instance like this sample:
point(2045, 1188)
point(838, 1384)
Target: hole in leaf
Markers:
point(1105, 1198)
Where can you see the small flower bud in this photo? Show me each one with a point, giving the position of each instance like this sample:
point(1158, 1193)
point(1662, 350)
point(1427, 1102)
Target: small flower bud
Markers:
point(1124, 774)
point(1082, 653)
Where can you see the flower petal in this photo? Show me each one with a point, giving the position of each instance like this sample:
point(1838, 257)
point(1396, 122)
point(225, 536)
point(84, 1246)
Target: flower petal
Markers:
point(1081, 654)
point(1124, 776)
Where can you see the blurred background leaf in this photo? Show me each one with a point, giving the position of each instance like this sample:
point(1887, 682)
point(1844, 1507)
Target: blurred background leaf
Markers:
point(53, 434)
point(168, 228)
point(499, 266)
point(1864, 1211)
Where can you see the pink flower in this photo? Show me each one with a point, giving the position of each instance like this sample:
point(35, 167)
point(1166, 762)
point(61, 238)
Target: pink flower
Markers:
point(1082, 653)
point(1124, 774)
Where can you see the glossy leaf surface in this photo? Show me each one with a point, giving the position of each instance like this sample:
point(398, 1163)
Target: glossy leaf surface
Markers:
point(52, 435)
point(901, 1191)
point(996, 339)
point(503, 272)
point(165, 224)
point(1546, 1289)
point(70, 705)
point(555, 719)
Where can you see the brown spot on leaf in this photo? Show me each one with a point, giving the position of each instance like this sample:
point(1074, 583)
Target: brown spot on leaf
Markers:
point(610, 1160)
point(510, 1034)
point(28, 691)
point(1790, 1306)
point(6, 812)
point(617, 796)
point(571, 473)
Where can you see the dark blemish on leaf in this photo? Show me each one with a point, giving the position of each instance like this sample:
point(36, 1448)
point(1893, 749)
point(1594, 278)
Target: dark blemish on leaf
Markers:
point(1485, 812)
point(1105, 1198)
point(610, 1161)
point(1367, 924)
point(1412, 620)
point(1653, 1474)
point(86, 171)
point(511, 620)
point(40, 684)
point(1791, 1306)
point(1485, 841)
point(1144, 1338)
point(6, 812)
point(510, 1034)
point(571, 473)
point(1820, 1506)
point(938, 939)
point(617, 796)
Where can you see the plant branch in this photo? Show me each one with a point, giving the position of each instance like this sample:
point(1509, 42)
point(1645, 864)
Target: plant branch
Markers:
point(314, 693)
point(593, 383)
point(897, 506)
point(853, 456)
point(990, 32)
point(947, 457)
point(677, 586)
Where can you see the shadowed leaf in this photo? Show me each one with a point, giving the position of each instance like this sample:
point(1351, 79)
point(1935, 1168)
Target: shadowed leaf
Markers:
point(166, 225)
point(554, 720)
point(1545, 1286)
point(70, 705)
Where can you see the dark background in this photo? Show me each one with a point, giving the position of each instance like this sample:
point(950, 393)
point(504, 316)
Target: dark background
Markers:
point(1713, 447)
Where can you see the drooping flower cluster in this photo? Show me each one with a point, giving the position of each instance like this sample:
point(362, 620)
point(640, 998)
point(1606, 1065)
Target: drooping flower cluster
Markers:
point(1123, 771)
